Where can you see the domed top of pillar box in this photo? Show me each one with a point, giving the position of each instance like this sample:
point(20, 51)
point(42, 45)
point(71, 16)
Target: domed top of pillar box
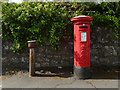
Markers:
point(82, 18)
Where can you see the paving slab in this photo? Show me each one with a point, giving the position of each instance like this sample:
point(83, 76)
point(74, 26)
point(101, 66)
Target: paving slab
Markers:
point(104, 83)
point(75, 84)
point(23, 81)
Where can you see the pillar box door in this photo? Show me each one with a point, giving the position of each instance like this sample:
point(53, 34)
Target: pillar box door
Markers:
point(82, 46)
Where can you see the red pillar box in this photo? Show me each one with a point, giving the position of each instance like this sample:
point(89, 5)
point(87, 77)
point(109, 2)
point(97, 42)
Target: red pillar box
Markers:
point(82, 46)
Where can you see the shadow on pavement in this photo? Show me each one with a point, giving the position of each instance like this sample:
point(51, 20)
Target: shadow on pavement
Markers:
point(66, 72)
point(103, 72)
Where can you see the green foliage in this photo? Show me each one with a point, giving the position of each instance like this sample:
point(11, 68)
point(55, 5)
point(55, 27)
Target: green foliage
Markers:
point(106, 15)
point(47, 22)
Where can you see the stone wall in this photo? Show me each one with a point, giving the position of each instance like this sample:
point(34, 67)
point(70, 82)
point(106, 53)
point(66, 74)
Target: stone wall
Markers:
point(104, 52)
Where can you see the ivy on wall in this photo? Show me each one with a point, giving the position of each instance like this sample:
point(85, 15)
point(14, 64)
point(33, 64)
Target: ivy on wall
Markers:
point(49, 22)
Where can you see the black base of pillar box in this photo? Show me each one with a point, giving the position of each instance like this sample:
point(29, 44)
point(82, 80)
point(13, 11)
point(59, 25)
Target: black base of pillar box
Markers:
point(82, 73)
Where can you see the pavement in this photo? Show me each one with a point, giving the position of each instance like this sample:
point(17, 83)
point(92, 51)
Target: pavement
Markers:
point(0, 77)
point(24, 81)
point(0, 83)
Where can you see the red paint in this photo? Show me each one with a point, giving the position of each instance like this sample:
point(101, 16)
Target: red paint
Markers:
point(81, 48)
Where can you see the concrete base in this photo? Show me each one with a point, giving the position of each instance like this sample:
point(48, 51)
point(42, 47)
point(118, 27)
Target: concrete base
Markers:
point(82, 73)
